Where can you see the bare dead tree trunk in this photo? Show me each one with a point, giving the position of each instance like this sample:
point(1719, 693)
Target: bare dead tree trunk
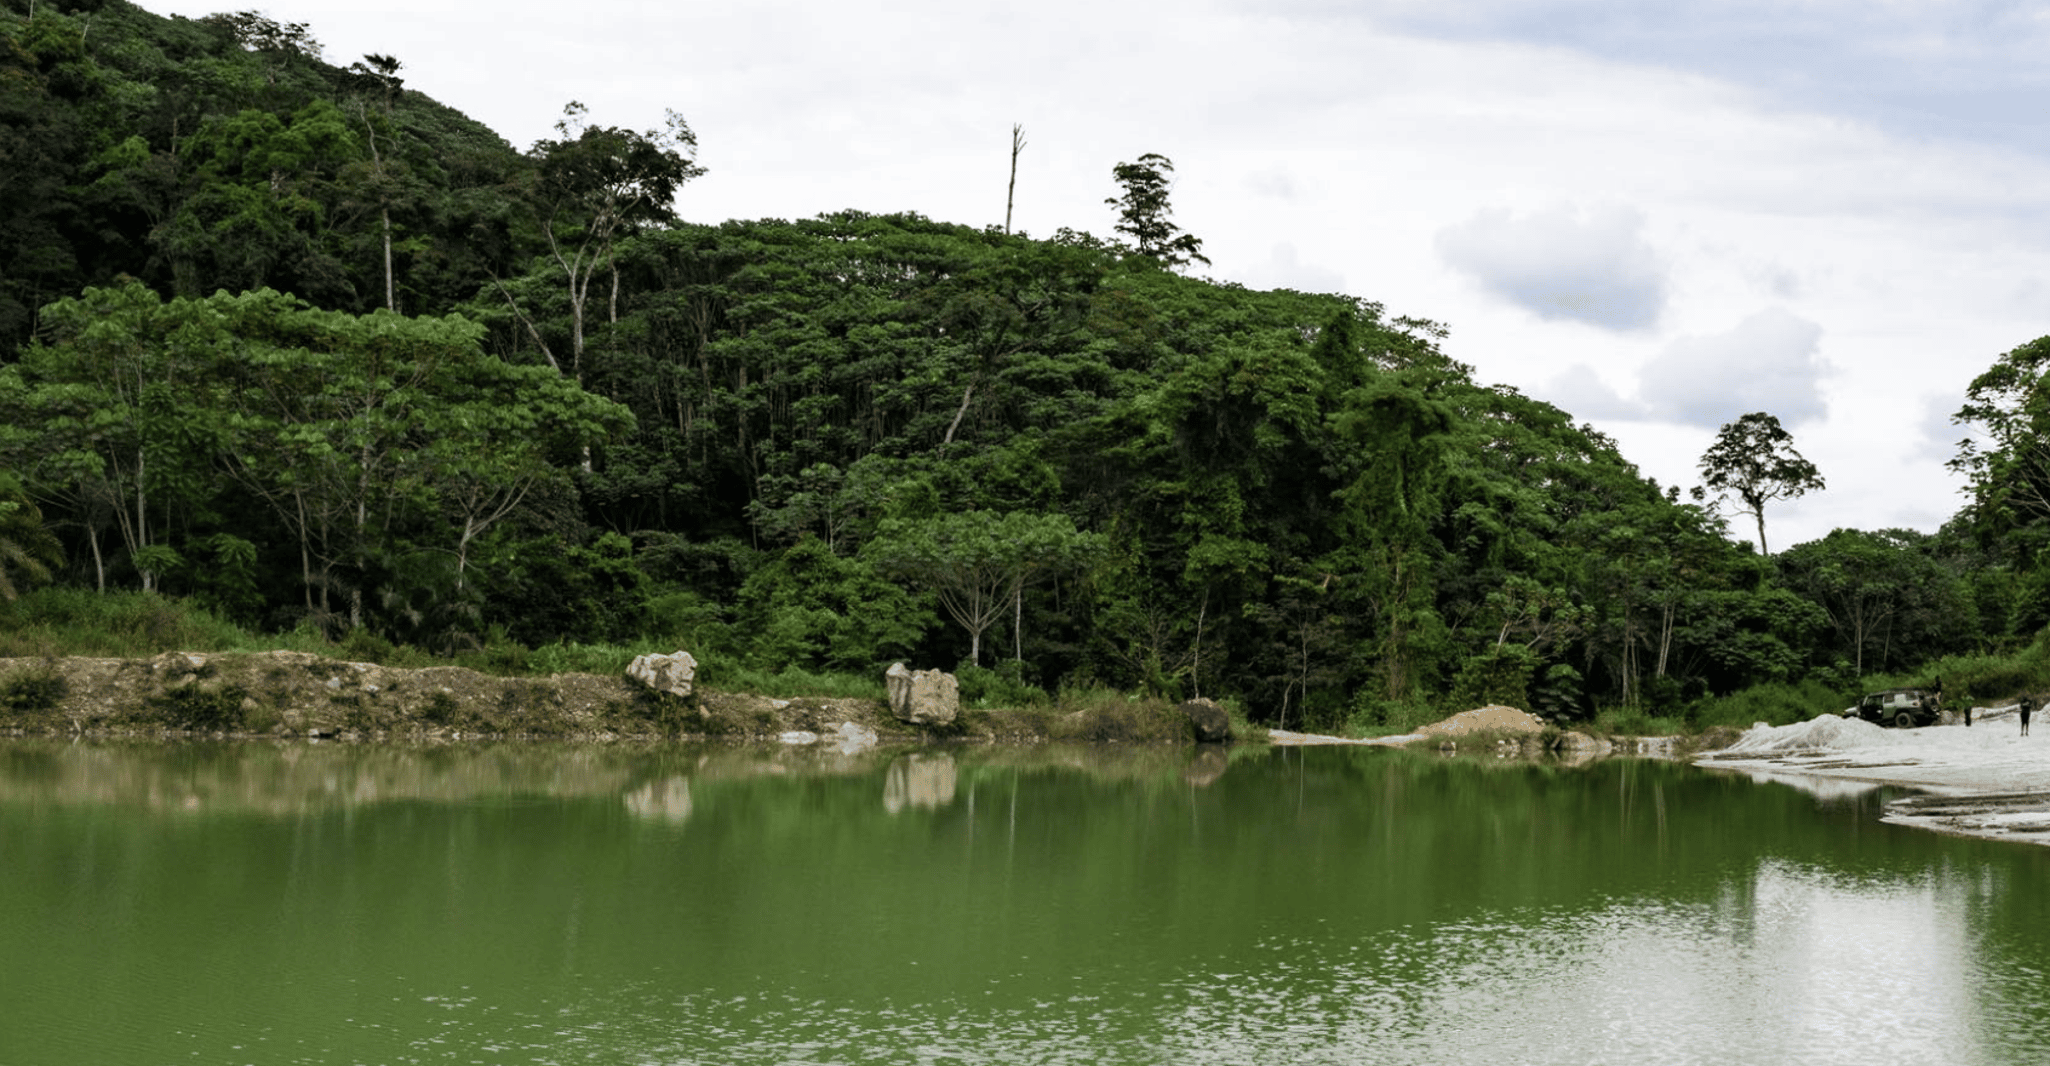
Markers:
point(1011, 193)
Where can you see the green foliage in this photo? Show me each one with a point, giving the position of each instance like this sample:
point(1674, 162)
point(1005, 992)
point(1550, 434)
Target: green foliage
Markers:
point(28, 551)
point(1501, 675)
point(790, 682)
point(979, 562)
point(1143, 213)
point(1123, 721)
point(34, 690)
point(1626, 723)
point(69, 621)
point(813, 609)
point(1370, 715)
point(984, 688)
point(1777, 703)
point(790, 444)
point(1754, 459)
point(441, 710)
point(198, 709)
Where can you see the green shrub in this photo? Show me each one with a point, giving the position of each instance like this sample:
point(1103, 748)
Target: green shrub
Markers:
point(35, 690)
point(201, 710)
point(791, 682)
point(1146, 720)
point(1003, 687)
point(1773, 704)
point(441, 710)
point(1616, 722)
point(1374, 716)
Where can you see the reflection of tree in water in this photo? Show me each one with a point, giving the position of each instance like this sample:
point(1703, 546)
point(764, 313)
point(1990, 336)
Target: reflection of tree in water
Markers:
point(919, 780)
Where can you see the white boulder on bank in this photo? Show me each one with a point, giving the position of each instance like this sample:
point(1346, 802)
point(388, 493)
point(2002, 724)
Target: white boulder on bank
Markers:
point(923, 697)
point(674, 674)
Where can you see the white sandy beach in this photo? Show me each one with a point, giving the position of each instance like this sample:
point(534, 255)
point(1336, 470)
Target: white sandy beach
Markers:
point(1983, 780)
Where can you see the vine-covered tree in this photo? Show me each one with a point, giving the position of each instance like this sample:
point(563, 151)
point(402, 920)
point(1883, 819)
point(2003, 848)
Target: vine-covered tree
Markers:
point(1754, 460)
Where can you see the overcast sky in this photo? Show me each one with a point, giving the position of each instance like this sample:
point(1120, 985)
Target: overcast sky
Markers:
point(1658, 216)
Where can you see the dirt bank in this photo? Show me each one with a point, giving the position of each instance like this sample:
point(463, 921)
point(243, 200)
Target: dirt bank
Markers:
point(296, 694)
point(287, 693)
point(1984, 780)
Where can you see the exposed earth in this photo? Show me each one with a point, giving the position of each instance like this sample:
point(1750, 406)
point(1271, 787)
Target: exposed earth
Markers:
point(1490, 719)
point(1984, 780)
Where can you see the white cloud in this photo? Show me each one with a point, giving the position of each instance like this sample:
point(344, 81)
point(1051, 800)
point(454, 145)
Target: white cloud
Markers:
point(1592, 267)
point(1284, 269)
point(1770, 362)
point(1582, 393)
point(1940, 436)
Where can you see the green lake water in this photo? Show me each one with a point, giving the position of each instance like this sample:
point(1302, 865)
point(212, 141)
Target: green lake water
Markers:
point(267, 904)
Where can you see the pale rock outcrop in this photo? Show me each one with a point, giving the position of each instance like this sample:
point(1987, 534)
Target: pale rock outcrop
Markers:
point(673, 674)
point(923, 697)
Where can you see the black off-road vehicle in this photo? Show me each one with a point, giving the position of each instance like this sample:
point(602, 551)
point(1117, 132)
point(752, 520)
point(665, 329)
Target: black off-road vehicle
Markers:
point(1903, 708)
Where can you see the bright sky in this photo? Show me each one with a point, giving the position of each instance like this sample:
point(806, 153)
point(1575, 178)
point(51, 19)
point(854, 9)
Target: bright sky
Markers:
point(1657, 215)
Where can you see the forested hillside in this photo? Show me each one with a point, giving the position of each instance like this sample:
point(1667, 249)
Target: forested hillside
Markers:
point(284, 337)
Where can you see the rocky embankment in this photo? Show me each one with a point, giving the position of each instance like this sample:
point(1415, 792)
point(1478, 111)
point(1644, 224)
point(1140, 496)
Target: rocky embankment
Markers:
point(297, 694)
point(288, 693)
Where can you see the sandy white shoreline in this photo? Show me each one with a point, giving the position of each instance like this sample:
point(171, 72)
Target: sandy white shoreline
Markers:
point(1985, 780)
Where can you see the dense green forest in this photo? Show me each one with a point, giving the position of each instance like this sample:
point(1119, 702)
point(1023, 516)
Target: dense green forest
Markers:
point(287, 340)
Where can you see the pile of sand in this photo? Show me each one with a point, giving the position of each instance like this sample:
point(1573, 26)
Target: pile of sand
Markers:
point(1824, 732)
point(1491, 719)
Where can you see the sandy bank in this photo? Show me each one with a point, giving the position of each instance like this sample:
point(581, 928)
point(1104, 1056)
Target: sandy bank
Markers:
point(1984, 780)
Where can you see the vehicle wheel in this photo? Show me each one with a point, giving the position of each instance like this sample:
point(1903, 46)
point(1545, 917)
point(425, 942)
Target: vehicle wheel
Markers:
point(1904, 720)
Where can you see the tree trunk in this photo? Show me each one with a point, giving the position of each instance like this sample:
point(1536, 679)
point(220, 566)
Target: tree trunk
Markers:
point(1011, 193)
point(966, 395)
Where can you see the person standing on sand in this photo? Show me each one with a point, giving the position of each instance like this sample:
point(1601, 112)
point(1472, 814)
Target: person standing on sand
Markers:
point(2027, 705)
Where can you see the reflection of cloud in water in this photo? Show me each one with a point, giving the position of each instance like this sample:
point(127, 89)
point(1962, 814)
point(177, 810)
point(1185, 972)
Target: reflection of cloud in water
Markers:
point(666, 800)
point(919, 780)
point(1788, 966)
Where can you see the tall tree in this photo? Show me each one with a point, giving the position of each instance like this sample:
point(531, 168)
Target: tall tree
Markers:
point(377, 82)
point(1754, 459)
point(979, 562)
point(1145, 215)
point(595, 186)
point(2008, 465)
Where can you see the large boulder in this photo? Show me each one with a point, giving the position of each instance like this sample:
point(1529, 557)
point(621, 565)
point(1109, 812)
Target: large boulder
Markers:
point(673, 674)
point(923, 697)
point(1210, 722)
